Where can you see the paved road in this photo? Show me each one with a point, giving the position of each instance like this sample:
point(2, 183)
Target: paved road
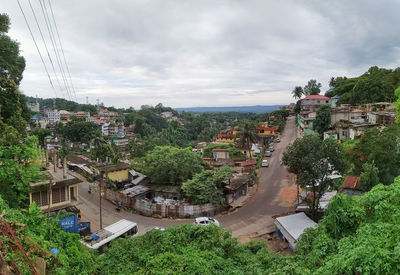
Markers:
point(254, 217)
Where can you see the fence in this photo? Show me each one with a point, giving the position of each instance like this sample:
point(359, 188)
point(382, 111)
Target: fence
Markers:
point(147, 208)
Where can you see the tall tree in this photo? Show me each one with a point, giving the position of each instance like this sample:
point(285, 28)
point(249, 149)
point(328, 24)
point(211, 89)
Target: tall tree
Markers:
point(369, 176)
point(323, 120)
point(247, 136)
point(297, 92)
point(12, 64)
point(312, 88)
point(170, 165)
point(313, 161)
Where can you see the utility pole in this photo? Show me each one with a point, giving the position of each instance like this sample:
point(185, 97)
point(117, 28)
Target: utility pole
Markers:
point(100, 194)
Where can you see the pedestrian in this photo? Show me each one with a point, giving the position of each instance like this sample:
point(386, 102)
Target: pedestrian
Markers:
point(90, 189)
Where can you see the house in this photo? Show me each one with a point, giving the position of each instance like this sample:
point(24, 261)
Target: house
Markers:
point(313, 102)
point(247, 166)
point(53, 116)
point(237, 186)
point(59, 191)
point(383, 118)
point(348, 113)
point(346, 129)
point(219, 154)
point(136, 178)
point(118, 173)
point(305, 120)
point(379, 106)
point(291, 227)
point(228, 136)
point(265, 130)
point(351, 186)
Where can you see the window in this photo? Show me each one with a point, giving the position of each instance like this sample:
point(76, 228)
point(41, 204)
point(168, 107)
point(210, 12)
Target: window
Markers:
point(327, 101)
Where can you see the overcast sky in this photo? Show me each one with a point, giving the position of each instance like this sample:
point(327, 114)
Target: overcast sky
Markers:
point(206, 53)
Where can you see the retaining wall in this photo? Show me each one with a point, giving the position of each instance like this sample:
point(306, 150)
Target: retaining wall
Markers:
point(147, 208)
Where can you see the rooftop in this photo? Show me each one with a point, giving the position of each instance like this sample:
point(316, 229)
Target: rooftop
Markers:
point(316, 97)
point(295, 224)
point(350, 182)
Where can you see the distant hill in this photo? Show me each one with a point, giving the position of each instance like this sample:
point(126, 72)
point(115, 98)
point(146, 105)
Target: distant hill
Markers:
point(258, 109)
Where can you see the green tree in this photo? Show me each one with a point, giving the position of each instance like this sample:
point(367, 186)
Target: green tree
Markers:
point(397, 105)
point(312, 88)
point(41, 133)
point(170, 165)
point(12, 64)
point(297, 92)
point(104, 151)
point(81, 131)
point(313, 160)
point(323, 120)
point(207, 186)
point(247, 136)
point(369, 176)
point(381, 148)
point(20, 165)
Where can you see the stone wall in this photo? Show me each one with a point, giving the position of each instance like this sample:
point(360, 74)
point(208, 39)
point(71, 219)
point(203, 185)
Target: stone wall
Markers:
point(145, 207)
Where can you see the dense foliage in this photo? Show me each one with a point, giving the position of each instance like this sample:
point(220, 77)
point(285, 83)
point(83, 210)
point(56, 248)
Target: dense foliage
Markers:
point(357, 234)
point(207, 186)
point(376, 85)
point(39, 235)
point(323, 120)
point(170, 165)
point(378, 147)
point(313, 160)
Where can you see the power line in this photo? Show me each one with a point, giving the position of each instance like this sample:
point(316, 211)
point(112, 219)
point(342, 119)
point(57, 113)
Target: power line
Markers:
point(37, 48)
point(53, 42)
point(62, 49)
point(45, 45)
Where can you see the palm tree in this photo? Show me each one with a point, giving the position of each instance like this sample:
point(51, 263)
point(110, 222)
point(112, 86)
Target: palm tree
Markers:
point(247, 136)
point(97, 143)
point(297, 92)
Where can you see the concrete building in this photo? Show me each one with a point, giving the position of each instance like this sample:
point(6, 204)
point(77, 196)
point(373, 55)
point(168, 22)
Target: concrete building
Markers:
point(313, 102)
point(53, 116)
point(34, 107)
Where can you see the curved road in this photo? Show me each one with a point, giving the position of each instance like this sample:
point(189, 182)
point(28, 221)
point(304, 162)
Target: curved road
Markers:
point(254, 217)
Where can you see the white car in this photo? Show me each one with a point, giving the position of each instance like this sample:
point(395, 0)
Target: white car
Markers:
point(264, 163)
point(268, 153)
point(205, 221)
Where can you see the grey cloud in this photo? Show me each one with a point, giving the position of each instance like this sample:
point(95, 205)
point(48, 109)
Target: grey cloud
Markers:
point(210, 53)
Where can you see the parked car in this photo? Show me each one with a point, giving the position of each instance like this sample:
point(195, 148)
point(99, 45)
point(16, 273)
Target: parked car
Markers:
point(264, 163)
point(268, 154)
point(205, 221)
point(271, 148)
point(278, 139)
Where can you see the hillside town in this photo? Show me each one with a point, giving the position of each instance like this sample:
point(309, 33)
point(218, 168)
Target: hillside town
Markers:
point(98, 177)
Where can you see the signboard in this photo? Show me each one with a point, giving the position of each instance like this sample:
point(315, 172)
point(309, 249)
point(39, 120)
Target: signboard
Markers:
point(70, 224)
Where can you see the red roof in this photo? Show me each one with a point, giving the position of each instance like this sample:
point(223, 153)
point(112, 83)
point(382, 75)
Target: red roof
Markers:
point(220, 150)
point(226, 136)
point(316, 97)
point(248, 162)
point(274, 128)
point(350, 182)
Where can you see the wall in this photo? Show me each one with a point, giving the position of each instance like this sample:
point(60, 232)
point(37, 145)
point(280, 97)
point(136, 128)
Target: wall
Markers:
point(147, 208)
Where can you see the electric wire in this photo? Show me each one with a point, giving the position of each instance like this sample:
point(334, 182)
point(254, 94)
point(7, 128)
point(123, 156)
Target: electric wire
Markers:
point(45, 45)
point(62, 49)
point(53, 42)
point(37, 48)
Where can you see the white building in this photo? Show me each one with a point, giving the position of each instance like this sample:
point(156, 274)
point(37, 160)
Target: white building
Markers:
point(34, 107)
point(105, 129)
point(53, 116)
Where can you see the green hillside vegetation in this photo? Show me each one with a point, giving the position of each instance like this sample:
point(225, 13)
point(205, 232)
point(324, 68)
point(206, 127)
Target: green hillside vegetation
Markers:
point(38, 235)
point(376, 85)
point(357, 234)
